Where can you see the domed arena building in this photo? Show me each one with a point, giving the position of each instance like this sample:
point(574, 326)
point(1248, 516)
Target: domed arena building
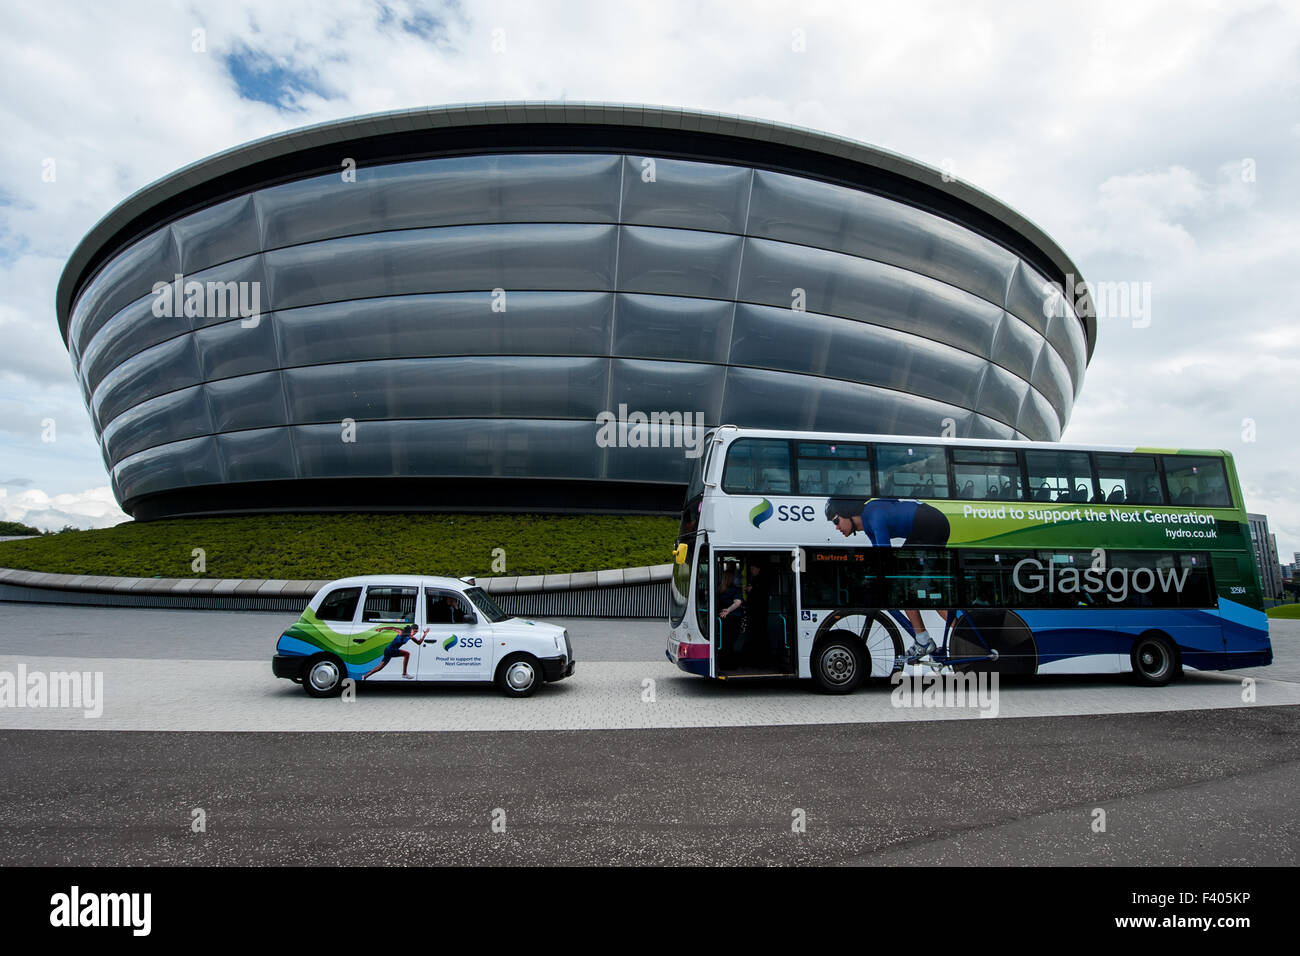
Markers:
point(539, 306)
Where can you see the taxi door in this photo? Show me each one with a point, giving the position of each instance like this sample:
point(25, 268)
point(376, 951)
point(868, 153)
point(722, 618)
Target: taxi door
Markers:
point(387, 612)
point(458, 646)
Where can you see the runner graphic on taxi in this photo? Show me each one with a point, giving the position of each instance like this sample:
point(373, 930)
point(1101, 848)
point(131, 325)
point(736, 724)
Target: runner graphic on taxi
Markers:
point(395, 649)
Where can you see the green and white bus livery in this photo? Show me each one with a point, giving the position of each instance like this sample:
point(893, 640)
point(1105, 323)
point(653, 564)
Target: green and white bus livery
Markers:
point(839, 557)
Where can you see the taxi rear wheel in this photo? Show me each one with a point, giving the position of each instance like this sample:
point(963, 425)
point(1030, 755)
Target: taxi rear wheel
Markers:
point(518, 675)
point(323, 676)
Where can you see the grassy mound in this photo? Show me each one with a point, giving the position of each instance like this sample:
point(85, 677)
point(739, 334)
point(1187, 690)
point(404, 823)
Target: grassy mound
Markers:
point(1289, 612)
point(323, 547)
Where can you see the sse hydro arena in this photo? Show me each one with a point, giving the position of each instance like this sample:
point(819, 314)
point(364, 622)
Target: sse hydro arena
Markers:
point(431, 309)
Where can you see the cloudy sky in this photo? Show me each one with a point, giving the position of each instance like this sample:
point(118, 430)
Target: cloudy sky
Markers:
point(1156, 142)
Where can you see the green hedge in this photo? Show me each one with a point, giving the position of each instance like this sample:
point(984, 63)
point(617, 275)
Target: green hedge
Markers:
point(324, 547)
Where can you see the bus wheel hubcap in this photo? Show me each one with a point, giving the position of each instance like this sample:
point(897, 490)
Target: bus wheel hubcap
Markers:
point(519, 676)
point(838, 665)
point(324, 675)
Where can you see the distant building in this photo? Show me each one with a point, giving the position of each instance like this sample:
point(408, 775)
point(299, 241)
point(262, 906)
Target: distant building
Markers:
point(1266, 561)
point(1273, 555)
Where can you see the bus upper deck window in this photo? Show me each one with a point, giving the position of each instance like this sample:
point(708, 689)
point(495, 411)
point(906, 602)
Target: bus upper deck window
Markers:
point(1196, 481)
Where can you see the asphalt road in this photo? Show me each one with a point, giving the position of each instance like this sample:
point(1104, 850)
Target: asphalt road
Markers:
point(1199, 777)
point(1195, 787)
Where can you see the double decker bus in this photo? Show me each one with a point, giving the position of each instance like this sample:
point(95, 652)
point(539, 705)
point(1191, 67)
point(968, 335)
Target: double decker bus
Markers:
point(839, 558)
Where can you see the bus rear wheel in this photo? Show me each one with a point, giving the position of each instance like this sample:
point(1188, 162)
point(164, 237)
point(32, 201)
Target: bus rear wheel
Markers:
point(1155, 663)
point(837, 663)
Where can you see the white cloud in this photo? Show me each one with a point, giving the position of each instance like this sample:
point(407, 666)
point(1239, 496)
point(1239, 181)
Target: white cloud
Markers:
point(93, 508)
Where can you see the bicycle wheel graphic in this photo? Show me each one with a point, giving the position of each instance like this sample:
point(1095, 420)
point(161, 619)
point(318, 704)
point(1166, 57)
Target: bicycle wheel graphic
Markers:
point(975, 633)
point(879, 633)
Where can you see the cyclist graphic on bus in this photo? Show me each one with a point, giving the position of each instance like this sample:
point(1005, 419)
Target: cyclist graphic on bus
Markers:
point(976, 639)
point(885, 519)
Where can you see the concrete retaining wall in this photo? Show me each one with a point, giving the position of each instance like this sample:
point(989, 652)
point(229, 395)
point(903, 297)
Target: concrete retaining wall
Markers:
point(621, 592)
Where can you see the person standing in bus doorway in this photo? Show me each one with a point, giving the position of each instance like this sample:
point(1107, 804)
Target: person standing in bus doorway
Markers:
point(884, 519)
point(758, 631)
point(731, 612)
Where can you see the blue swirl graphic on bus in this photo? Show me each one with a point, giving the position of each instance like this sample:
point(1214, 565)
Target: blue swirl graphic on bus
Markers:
point(761, 512)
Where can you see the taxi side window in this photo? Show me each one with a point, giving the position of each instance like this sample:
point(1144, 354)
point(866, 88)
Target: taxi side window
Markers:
point(389, 605)
point(438, 611)
point(341, 605)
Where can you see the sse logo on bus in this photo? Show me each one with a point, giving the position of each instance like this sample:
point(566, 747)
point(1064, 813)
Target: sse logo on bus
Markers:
point(763, 510)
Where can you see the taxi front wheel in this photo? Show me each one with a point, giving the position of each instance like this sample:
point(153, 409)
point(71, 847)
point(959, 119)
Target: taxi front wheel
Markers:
point(518, 675)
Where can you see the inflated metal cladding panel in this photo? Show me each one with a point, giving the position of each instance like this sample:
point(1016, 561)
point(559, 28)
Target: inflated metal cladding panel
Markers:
point(476, 447)
point(1001, 395)
point(236, 348)
point(1037, 418)
point(223, 232)
point(782, 400)
point(812, 213)
point(813, 344)
point(672, 327)
point(168, 418)
point(453, 323)
point(127, 276)
point(258, 454)
point(561, 256)
point(227, 290)
point(246, 401)
point(678, 262)
point(166, 367)
point(129, 332)
point(177, 465)
point(443, 192)
point(831, 283)
point(649, 386)
point(685, 195)
point(457, 387)
point(1016, 346)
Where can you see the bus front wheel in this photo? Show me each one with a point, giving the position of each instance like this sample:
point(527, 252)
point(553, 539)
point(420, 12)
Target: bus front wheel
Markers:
point(1155, 662)
point(837, 663)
